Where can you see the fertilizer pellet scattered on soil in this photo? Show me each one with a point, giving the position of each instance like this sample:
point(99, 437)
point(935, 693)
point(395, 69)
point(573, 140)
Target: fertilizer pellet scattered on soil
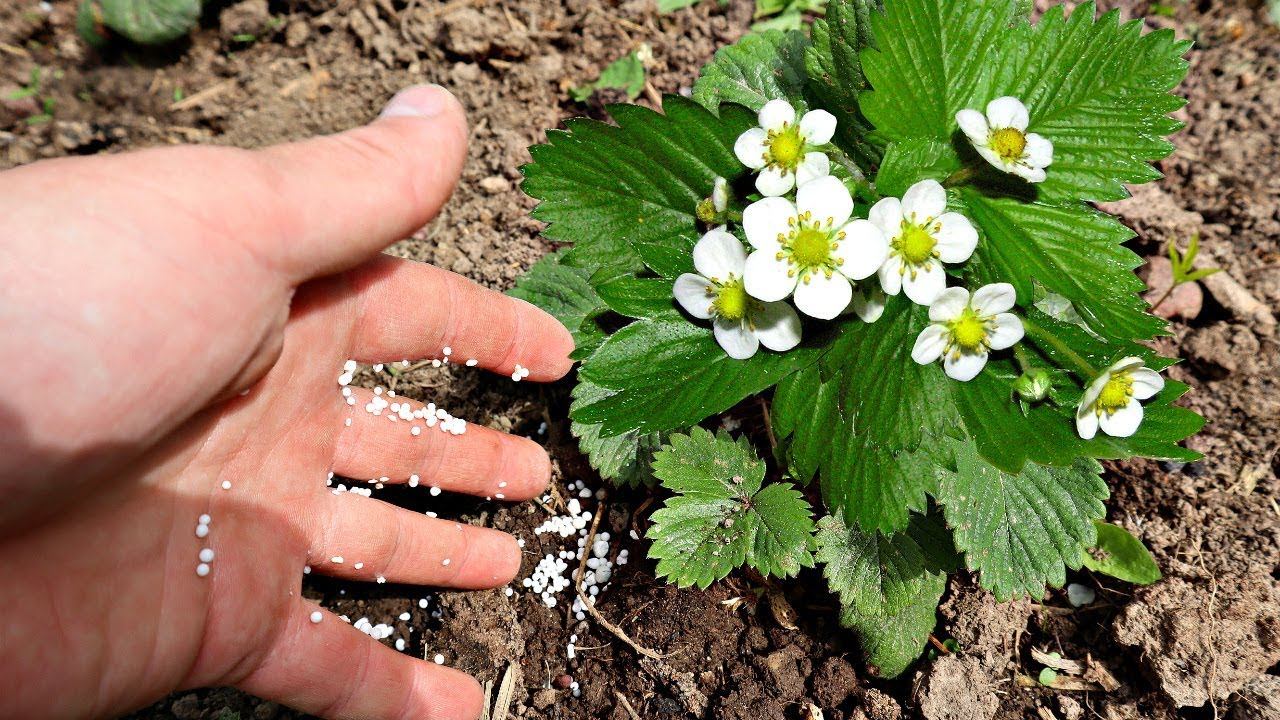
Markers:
point(400, 644)
point(413, 480)
point(381, 631)
point(405, 616)
point(422, 603)
point(439, 659)
point(434, 491)
point(472, 362)
point(521, 372)
point(306, 569)
point(317, 616)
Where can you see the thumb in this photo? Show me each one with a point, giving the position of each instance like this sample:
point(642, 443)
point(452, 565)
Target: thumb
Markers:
point(342, 198)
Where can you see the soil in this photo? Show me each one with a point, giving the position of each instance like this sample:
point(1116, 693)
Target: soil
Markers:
point(1204, 643)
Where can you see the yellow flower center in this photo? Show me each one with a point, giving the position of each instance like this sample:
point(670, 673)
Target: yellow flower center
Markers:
point(732, 301)
point(1116, 393)
point(915, 244)
point(810, 246)
point(1009, 144)
point(786, 147)
point(968, 331)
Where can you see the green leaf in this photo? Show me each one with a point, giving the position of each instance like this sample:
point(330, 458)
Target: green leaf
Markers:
point(720, 517)
point(670, 6)
point(625, 73)
point(1020, 531)
point(909, 161)
point(836, 78)
point(889, 587)
point(150, 21)
point(1121, 555)
point(666, 373)
point(599, 191)
point(760, 67)
point(1099, 90)
point(626, 459)
point(565, 293)
point(637, 297)
point(1074, 251)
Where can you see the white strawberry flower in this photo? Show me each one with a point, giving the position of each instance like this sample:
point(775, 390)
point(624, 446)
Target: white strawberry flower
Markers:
point(1111, 400)
point(1001, 138)
point(922, 235)
point(741, 324)
point(965, 329)
point(811, 248)
point(784, 151)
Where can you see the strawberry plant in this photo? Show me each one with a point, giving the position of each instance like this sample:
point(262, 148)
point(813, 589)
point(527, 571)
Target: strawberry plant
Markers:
point(880, 232)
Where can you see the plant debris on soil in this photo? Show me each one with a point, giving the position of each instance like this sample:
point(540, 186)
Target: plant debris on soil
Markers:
point(1203, 643)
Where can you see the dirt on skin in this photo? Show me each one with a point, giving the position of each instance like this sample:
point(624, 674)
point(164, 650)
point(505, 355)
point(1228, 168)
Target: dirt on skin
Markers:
point(1205, 636)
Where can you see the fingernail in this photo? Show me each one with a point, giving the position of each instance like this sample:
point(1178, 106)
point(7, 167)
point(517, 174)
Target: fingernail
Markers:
point(422, 101)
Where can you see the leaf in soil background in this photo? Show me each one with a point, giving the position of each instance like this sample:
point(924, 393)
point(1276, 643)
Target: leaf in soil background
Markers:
point(149, 22)
point(1099, 90)
point(758, 68)
point(668, 373)
point(720, 517)
point(1021, 531)
point(626, 459)
point(889, 585)
point(565, 293)
point(596, 191)
point(1121, 555)
point(836, 78)
point(625, 73)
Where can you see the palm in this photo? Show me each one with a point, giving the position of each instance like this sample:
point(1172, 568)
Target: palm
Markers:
point(106, 547)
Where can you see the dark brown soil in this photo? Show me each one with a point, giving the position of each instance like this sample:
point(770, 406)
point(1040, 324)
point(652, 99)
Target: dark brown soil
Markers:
point(1205, 636)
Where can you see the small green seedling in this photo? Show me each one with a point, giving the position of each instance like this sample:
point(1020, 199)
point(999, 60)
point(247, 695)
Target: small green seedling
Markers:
point(32, 90)
point(1048, 676)
point(147, 22)
point(1184, 267)
point(1121, 556)
point(785, 14)
point(670, 6)
point(626, 73)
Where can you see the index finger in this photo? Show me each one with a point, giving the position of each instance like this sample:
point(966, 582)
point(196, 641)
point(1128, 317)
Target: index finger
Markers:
point(406, 309)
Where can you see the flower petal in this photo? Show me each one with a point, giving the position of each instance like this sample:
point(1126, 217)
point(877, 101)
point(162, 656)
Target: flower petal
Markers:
point(737, 340)
point(949, 304)
point(815, 165)
point(720, 194)
point(1091, 393)
point(719, 255)
point(1129, 362)
point(817, 127)
point(750, 148)
point(924, 200)
point(965, 366)
point(974, 126)
point(773, 182)
point(764, 220)
point(887, 215)
point(926, 284)
point(1007, 112)
point(1006, 333)
point(1028, 173)
point(863, 250)
point(766, 276)
point(827, 198)
point(823, 297)
point(1123, 422)
point(868, 302)
point(890, 274)
point(1146, 383)
point(930, 344)
point(1086, 423)
point(775, 114)
point(1039, 152)
point(956, 237)
point(692, 292)
point(988, 300)
point(777, 326)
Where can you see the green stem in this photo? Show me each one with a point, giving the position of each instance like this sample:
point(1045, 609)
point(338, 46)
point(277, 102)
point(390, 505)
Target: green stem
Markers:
point(1083, 367)
point(961, 176)
point(1163, 297)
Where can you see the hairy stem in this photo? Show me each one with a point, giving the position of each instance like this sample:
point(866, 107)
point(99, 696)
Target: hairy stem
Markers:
point(961, 176)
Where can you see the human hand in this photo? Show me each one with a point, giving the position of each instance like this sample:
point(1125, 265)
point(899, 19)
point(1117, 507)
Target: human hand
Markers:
point(140, 294)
